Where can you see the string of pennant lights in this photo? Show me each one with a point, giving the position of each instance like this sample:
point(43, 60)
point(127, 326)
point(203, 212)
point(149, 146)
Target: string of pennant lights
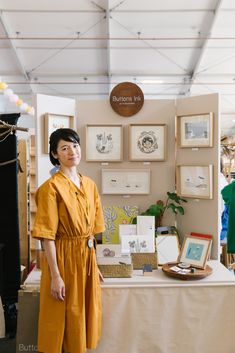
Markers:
point(14, 98)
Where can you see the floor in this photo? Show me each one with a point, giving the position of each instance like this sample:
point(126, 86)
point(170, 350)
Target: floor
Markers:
point(7, 345)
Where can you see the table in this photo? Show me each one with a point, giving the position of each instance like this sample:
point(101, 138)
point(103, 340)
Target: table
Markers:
point(159, 314)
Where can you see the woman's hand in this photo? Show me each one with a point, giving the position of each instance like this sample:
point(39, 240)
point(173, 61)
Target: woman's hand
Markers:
point(57, 288)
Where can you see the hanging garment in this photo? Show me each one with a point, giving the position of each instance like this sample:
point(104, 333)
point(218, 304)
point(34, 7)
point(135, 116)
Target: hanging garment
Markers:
point(9, 219)
point(69, 216)
point(228, 194)
point(224, 223)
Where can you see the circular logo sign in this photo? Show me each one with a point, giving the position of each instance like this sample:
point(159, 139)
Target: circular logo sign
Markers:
point(126, 99)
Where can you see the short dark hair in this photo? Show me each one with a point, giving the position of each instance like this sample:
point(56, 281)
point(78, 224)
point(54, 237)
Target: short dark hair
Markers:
point(61, 134)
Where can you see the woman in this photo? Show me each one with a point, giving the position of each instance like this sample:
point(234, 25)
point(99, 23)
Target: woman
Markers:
point(69, 213)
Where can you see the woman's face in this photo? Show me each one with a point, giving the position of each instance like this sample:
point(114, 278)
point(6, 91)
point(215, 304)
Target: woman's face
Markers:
point(68, 153)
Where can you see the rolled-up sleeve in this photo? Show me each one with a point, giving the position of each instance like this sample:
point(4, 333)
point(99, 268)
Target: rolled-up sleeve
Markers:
point(99, 225)
point(46, 220)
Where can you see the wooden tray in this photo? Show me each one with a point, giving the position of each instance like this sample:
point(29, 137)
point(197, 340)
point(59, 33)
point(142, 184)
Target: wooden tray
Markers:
point(198, 274)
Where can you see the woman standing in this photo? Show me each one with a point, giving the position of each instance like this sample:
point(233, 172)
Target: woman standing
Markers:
point(69, 213)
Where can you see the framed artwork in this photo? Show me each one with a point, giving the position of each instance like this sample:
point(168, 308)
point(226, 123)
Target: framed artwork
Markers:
point(53, 122)
point(147, 142)
point(168, 248)
point(195, 130)
point(125, 181)
point(195, 181)
point(104, 143)
point(195, 251)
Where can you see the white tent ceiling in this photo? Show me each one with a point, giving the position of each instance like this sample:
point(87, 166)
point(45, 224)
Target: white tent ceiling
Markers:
point(170, 48)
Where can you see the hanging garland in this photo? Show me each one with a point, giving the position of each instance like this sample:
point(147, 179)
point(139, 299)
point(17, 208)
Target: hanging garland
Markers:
point(13, 98)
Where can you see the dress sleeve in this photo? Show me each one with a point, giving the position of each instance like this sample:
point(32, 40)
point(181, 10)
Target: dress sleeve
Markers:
point(46, 220)
point(99, 225)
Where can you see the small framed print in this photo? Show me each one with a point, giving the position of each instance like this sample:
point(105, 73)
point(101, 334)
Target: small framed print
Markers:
point(195, 181)
point(168, 248)
point(147, 142)
point(53, 122)
point(125, 181)
point(104, 143)
point(195, 251)
point(195, 130)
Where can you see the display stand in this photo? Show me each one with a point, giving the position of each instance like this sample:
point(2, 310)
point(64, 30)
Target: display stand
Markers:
point(198, 274)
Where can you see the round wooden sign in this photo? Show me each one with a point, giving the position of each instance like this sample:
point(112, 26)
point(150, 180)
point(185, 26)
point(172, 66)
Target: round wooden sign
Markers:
point(126, 99)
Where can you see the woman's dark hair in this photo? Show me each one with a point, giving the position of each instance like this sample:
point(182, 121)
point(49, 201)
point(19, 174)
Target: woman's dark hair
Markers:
point(61, 134)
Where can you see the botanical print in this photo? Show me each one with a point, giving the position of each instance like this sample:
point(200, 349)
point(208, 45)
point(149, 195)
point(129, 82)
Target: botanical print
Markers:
point(104, 142)
point(138, 246)
point(114, 216)
point(137, 243)
point(147, 142)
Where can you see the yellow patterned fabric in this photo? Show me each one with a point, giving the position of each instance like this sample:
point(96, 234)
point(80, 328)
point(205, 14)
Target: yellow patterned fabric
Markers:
point(114, 216)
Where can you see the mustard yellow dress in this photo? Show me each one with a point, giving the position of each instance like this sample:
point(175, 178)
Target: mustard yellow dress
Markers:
point(69, 216)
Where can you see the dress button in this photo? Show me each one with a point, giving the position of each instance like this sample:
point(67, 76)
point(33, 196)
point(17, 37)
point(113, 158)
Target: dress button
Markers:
point(90, 243)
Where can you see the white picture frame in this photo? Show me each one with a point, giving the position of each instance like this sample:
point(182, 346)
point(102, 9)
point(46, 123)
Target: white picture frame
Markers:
point(195, 130)
point(168, 248)
point(147, 142)
point(125, 181)
point(195, 181)
point(104, 143)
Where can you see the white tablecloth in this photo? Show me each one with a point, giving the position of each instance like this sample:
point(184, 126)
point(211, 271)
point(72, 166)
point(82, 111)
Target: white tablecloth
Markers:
point(159, 314)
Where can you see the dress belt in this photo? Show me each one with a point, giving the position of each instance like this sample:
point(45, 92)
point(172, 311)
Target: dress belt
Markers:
point(91, 242)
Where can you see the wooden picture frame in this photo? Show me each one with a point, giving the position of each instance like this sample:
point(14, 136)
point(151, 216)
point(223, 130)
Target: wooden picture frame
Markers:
point(125, 181)
point(147, 142)
point(195, 130)
point(195, 251)
point(104, 143)
point(53, 122)
point(195, 181)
